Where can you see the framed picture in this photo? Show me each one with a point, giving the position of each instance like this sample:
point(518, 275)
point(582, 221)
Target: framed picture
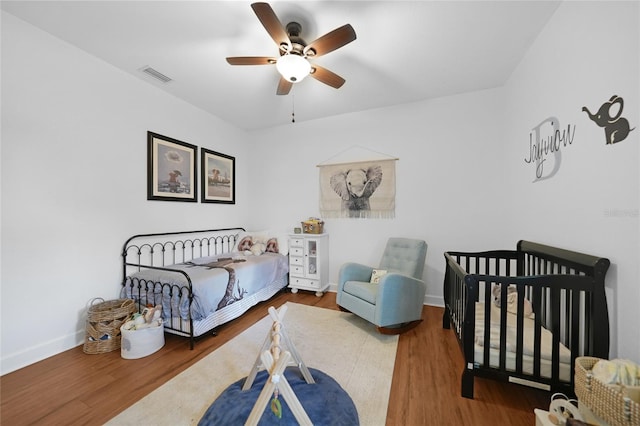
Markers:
point(218, 177)
point(171, 169)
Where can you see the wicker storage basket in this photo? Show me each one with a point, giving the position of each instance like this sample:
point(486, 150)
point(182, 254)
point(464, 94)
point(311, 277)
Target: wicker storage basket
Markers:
point(103, 324)
point(312, 227)
point(606, 401)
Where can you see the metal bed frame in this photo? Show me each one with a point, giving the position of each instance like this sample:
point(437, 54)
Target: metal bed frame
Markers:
point(159, 251)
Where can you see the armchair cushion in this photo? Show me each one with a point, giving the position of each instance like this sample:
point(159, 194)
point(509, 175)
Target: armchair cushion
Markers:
point(363, 290)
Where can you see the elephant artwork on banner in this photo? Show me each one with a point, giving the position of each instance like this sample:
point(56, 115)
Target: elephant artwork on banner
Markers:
point(358, 190)
point(355, 186)
point(616, 128)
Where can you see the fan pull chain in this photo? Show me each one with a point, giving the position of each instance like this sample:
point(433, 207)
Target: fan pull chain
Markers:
point(293, 108)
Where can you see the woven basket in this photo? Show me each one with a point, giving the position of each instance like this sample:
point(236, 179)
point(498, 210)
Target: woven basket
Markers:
point(312, 227)
point(104, 320)
point(606, 401)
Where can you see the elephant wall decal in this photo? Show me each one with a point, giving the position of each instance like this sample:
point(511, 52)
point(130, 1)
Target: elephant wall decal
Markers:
point(355, 187)
point(616, 128)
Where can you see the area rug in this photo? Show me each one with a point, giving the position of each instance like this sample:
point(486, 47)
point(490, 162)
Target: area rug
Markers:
point(342, 345)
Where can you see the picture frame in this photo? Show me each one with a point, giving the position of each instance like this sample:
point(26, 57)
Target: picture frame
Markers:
point(218, 183)
point(171, 169)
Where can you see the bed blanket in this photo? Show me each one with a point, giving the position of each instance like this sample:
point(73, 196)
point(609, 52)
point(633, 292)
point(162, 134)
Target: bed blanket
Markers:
point(216, 282)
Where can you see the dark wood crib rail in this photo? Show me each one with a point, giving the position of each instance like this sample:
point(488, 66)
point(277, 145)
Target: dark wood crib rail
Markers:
point(566, 292)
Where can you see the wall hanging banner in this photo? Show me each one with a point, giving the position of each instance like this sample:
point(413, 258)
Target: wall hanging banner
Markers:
point(358, 189)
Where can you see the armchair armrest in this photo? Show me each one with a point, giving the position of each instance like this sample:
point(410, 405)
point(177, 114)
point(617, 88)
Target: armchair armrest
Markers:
point(353, 272)
point(401, 298)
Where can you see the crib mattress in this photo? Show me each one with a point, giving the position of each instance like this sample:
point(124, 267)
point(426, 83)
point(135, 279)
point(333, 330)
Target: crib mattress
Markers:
point(546, 344)
point(527, 363)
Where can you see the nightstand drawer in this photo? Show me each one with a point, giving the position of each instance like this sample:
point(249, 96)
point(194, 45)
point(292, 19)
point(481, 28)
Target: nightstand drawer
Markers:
point(303, 282)
point(296, 270)
point(296, 242)
point(296, 251)
point(295, 260)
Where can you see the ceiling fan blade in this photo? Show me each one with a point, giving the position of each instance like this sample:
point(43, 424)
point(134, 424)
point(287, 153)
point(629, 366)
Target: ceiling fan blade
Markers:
point(327, 77)
point(271, 23)
point(251, 60)
point(331, 41)
point(284, 86)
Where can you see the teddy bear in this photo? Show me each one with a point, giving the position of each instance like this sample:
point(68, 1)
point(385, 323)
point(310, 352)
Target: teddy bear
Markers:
point(512, 300)
point(257, 248)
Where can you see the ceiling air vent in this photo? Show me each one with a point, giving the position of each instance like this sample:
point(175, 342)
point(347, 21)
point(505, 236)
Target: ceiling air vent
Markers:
point(155, 74)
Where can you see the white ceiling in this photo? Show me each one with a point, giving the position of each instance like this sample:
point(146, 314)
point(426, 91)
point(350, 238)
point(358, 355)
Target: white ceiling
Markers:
point(405, 50)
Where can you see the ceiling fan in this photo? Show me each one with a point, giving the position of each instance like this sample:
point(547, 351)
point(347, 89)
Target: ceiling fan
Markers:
point(293, 63)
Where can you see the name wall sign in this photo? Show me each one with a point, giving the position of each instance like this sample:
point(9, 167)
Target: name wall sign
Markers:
point(545, 143)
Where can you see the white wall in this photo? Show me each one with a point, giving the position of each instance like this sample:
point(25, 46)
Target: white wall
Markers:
point(74, 184)
point(448, 149)
point(588, 52)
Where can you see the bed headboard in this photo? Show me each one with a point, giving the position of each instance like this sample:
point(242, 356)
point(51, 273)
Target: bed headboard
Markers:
point(169, 248)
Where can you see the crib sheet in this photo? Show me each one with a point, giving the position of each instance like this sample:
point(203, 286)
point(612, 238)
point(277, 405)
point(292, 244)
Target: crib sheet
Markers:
point(546, 338)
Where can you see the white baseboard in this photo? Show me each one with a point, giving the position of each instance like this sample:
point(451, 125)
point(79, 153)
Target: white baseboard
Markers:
point(15, 361)
point(432, 300)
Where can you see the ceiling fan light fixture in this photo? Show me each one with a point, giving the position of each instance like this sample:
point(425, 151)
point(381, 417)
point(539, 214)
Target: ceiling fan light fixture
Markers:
point(293, 68)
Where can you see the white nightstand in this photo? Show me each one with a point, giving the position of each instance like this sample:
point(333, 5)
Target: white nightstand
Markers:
point(309, 262)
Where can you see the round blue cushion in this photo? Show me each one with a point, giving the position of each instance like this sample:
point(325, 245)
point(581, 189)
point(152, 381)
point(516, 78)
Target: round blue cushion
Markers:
point(325, 402)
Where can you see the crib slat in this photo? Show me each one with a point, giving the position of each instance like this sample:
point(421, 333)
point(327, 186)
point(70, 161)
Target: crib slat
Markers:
point(520, 330)
point(555, 330)
point(537, 333)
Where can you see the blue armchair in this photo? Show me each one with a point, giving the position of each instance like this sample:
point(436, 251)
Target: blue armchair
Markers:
point(395, 303)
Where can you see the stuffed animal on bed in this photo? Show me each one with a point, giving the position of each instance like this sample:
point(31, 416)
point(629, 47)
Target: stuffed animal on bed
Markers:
point(272, 246)
point(245, 243)
point(257, 248)
point(251, 245)
point(512, 300)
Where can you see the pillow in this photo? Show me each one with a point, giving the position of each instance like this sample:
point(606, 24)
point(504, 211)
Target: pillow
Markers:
point(376, 274)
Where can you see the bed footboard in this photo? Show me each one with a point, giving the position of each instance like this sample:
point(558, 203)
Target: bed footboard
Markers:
point(555, 311)
point(158, 252)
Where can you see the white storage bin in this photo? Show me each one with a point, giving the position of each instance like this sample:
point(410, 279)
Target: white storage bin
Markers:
point(140, 343)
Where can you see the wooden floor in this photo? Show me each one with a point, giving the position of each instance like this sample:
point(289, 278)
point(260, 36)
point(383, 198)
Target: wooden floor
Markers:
point(74, 388)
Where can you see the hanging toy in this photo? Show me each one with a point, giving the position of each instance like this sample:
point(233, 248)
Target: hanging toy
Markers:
point(276, 406)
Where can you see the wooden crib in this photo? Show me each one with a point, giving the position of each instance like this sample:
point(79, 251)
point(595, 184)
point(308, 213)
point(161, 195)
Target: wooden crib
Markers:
point(564, 289)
